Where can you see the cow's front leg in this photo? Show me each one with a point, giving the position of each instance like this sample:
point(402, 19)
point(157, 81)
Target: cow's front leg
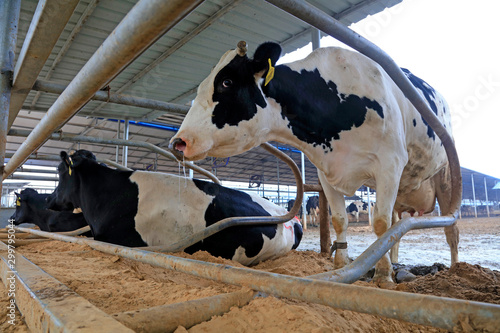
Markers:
point(339, 221)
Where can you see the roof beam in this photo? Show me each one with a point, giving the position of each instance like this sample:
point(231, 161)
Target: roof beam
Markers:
point(48, 22)
point(143, 25)
point(181, 42)
point(56, 88)
point(76, 29)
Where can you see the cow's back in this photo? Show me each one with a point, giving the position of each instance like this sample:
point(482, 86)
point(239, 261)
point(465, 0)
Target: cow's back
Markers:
point(354, 74)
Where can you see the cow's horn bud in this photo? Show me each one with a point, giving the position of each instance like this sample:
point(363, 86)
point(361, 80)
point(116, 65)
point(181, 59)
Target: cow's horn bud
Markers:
point(242, 48)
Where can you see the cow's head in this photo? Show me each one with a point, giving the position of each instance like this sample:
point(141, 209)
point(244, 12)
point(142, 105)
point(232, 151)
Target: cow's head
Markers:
point(24, 206)
point(65, 197)
point(16, 217)
point(224, 118)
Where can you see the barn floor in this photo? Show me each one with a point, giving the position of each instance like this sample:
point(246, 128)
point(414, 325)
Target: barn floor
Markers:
point(114, 285)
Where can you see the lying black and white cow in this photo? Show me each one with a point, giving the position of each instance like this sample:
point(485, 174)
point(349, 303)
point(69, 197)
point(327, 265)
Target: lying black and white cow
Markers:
point(337, 106)
point(31, 207)
point(357, 207)
point(137, 208)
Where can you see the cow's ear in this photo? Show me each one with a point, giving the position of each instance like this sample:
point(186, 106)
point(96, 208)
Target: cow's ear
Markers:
point(65, 158)
point(265, 57)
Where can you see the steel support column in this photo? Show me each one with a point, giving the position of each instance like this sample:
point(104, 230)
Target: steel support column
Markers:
point(9, 19)
point(142, 26)
point(473, 194)
point(487, 201)
point(304, 210)
point(126, 132)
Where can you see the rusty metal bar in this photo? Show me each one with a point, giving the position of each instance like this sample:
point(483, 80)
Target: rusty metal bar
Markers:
point(46, 304)
point(56, 88)
point(142, 26)
point(246, 220)
point(120, 142)
point(9, 20)
point(325, 239)
point(167, 318)
point(47, 24)
point(320, 20)
point(428, 310)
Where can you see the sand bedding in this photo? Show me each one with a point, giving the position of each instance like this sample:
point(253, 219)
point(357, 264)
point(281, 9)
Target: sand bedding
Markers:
point(114, 284)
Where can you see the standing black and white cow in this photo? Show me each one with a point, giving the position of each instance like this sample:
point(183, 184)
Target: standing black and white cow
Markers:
point(137, 208)
point(312, 207)
point(357, 207)
point(337, 106)
point(31, 207)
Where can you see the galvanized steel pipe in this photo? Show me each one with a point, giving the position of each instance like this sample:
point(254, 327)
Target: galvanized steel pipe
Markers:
point(246, 220)
point(142, 26)
point(319, 19)
point(120, 142)
point(428, 310)
point(56, 88)
point(352, 272)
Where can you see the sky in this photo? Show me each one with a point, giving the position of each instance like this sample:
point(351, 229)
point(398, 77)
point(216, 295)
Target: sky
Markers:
point(454, 45)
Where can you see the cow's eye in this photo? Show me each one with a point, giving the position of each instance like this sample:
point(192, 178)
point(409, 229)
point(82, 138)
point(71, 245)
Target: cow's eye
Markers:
point(227, 83)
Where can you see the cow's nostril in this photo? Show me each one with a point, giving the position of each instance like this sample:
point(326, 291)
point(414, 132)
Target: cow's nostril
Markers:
point(177, 147)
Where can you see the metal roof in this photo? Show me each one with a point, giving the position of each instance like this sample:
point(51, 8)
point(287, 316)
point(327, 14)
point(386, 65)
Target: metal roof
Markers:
point(170, 71)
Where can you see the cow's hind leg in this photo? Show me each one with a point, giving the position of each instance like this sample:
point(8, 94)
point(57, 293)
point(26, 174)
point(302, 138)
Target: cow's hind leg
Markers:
point(442, 181)
point(339, 220)
point(387, 186)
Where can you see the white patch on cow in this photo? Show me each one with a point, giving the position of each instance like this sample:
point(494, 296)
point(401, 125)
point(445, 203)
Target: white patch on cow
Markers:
point(166, 215)
point(279, 245)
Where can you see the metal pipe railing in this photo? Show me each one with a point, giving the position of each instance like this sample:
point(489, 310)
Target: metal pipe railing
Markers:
point(364, 262)
point(246, 220)
point(334, 28)
point(428, 310)
point(120, 142)
point(56, 88)
point(142, 26)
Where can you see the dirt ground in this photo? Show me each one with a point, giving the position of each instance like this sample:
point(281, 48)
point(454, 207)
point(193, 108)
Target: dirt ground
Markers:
point(115, 285)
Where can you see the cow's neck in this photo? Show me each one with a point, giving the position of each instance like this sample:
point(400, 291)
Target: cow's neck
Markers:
point(39, 219)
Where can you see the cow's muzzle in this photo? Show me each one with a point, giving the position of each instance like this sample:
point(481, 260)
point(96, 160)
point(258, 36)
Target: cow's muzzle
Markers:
point(177, 147)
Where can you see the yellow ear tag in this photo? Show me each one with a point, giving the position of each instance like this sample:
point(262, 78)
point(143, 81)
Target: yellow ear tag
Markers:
point(70, 165)
point(270, 73)
point(18, 202)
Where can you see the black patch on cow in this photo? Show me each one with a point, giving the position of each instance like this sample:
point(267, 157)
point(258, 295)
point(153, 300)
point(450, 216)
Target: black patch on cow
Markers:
point(109, 200)
point(414, 122)
point(312, 202)
point(230, 203)
point(429, 94)
point(352, 208)
point(316, 111)
point(236, 93)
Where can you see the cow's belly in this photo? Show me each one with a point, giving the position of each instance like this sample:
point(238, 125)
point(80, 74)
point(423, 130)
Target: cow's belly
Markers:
point(170, 208)
point(424, 162)
point(279, 245)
